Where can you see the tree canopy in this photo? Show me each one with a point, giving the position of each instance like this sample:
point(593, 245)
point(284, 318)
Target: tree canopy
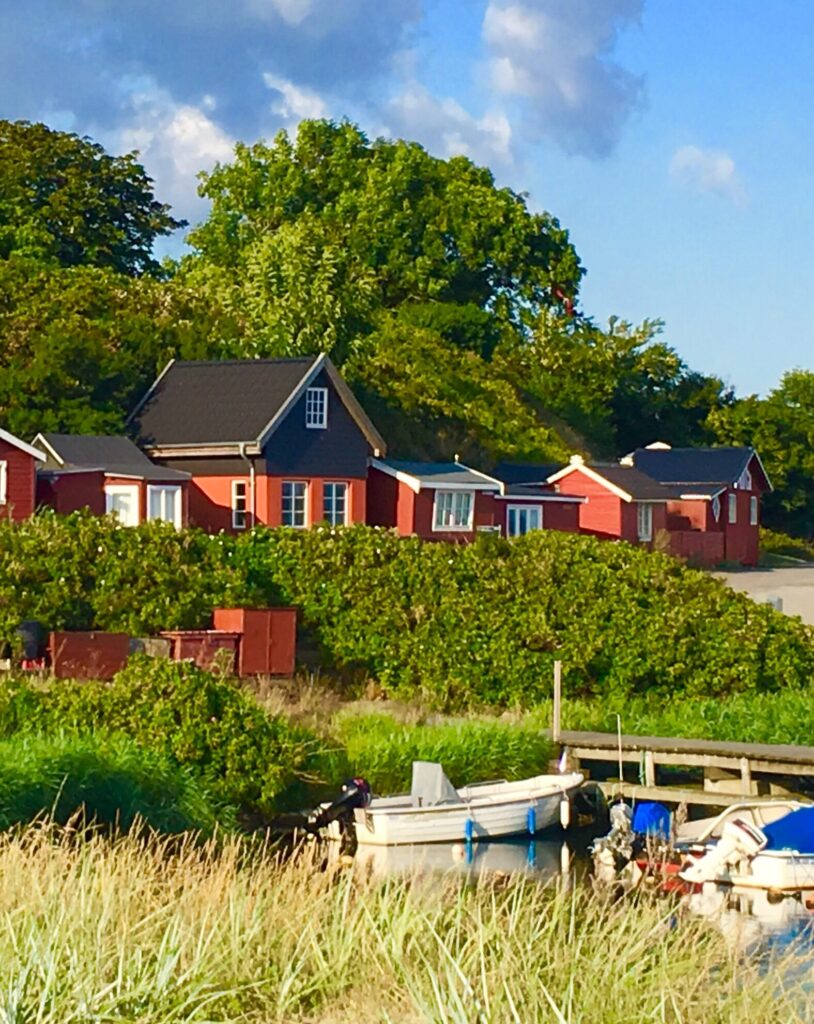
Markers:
point(64, 200)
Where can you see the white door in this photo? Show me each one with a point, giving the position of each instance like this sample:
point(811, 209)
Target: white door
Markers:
point(164, 502)
point(122, 500)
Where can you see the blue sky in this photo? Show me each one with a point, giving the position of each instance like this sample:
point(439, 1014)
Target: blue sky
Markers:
point(673, 139)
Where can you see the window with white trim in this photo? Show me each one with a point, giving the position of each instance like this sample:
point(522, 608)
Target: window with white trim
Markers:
point(453, 510)
point(240, 504)
point(716, 508)
point(164, 503)
point(3, 482)
point(521, 519)
point(753, 511)
point(293, 509)
point(335, 503)
point(644, 521)
point(122, 501)
point(316, 408)
point(733, 508)
point(745, 481)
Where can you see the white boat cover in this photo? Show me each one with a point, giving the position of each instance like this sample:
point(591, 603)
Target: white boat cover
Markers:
point(430, 786)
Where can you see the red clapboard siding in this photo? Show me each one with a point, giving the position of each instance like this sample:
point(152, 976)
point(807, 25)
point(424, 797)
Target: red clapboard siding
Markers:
point(21, 476)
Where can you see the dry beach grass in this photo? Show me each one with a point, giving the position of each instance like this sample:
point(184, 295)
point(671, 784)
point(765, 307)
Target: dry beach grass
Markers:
point(170, 931)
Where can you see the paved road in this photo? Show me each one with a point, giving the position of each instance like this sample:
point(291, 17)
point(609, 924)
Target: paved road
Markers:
point(795, 587)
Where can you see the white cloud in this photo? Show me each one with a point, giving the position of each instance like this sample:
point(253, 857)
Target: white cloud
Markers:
point(295, 102)
point(554, 57)
point(447, 129)
point(708, 170)
point(175, 142)
point(292, 11)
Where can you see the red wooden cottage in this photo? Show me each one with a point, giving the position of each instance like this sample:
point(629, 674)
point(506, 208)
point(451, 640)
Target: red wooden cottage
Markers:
point(713, 514)
point(621, 503)
point(266, 441)
point(109, 475)
point(18, 476)
point(450, 501)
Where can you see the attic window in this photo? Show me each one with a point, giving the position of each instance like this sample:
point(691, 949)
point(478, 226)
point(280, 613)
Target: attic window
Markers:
point(316, 408)
point(745, 481)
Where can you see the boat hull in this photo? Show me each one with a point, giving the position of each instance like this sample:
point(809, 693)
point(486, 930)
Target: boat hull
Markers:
point(777, 871)
point(483, 816)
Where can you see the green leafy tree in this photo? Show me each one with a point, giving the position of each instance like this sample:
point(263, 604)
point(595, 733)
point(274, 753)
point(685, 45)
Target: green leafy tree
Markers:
point(78, 346)
point(64, 200)
point(781, 428)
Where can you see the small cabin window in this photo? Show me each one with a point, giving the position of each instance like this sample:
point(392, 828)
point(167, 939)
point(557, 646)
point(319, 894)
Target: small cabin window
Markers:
point(733, 508)
point(644, 521)
point(316, 408)
point(753, 511)
point(453, 510)
point(745, 481)
point(3, 482)
point(335, 504)
point(716, 508)
point(164, 503)
point(240, 505)
point(520, 519)
point(294, 510)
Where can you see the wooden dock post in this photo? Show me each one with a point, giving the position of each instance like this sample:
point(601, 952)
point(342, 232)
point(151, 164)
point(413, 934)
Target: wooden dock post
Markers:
point(557, 709)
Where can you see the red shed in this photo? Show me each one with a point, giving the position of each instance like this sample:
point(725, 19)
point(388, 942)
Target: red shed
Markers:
point(18, 476)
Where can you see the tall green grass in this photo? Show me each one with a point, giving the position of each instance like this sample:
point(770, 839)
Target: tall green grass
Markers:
point(120, 931)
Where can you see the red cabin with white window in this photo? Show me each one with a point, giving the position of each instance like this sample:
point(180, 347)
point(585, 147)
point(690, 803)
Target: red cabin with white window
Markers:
point(452, 502)
point(277, 442)
point(18, 475)
point(109, 475)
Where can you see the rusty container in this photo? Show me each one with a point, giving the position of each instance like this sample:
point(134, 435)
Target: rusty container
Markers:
point(204, 647)
point(268, 638)
point(87, 655)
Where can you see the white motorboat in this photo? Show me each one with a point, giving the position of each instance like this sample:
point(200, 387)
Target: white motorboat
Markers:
point(757, 812)
point(778, 857)
point(434, 811)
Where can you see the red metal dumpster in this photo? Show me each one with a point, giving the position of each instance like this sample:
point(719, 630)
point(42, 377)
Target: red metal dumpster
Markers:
point(204, 647)
point(268, 638)
point(87, 655)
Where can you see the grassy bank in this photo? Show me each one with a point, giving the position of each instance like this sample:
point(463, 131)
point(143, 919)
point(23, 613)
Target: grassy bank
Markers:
point(123, 932)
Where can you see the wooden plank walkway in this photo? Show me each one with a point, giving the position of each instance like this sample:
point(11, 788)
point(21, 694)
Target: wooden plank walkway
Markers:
point(731, 770)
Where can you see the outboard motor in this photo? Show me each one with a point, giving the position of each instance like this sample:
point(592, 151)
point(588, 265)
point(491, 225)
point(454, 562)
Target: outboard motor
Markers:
point(739, 841)
point(355, 793)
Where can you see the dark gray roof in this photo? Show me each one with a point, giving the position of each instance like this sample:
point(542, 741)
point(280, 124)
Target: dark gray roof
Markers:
point(217, 402)
point(114, 455)
point(437, 472)
point(638, 485)
point(524, 472)
point(693, 465)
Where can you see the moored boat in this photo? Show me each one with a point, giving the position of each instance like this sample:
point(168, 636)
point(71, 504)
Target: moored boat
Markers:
point(434, 811)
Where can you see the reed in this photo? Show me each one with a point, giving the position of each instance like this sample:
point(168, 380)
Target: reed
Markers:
point(165, 932)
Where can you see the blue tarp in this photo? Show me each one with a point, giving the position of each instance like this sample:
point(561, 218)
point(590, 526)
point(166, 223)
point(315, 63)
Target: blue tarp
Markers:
point(651, 819)
point(793, 832)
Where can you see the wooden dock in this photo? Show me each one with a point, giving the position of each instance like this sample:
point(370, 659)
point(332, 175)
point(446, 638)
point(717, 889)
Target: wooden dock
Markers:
point(730, 771)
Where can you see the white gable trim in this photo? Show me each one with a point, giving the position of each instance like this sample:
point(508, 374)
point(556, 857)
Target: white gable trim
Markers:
point(578, 467)
point(15, 442)
point(416, 483)
point(149, 393)
point(755, 455)
point(45, 446)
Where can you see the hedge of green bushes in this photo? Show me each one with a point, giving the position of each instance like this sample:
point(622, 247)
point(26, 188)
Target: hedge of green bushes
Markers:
point(451, 625)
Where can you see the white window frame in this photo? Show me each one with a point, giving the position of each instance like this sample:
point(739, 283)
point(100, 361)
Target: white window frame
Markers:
point(644, 521)
point(331, 486)
point(716, 508)
point(316, 408)
point(745, 481)
point(754, 513)
point(455, 501)
point(294, 496)
point(732, 507)
point(166, 492)
point(3, 481)
point(121, 490)
point(240, 516)
point(516, 511)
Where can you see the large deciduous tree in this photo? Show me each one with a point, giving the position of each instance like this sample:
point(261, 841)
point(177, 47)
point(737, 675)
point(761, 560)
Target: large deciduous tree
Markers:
point(65, 201)
point(781, 427)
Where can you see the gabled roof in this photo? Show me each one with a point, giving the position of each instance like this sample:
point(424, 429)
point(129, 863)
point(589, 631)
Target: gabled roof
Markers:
point(15, 442)
point(115, 456)
point(437, 475)
point(524, 472)
point(722, 466)
point(625, 482)
point(232, 403)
